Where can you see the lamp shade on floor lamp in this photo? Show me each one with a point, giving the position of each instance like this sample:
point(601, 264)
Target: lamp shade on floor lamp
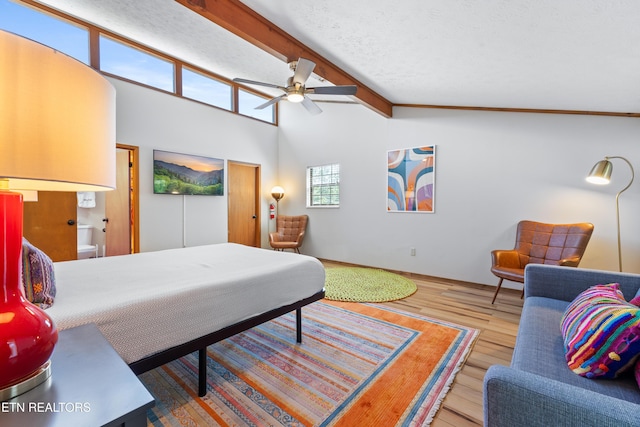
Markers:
point(57, 133)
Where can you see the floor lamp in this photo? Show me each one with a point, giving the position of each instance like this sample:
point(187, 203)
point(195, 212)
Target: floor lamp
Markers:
point(277, 193)
point(57, 133)
point(601, 174)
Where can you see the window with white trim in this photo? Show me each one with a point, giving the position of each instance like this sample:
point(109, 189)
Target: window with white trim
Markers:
point(323, 186)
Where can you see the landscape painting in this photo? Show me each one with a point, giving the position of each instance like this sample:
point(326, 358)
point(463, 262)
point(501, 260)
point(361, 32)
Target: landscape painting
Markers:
point(175, 173)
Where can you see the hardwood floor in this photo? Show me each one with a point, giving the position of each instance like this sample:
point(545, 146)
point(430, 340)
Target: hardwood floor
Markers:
point(470, 305)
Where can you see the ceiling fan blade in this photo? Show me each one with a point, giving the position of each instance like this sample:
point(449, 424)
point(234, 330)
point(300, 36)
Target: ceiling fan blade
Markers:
point(334, 90)
point(270, 102)
point(252, 82)
point(304, 68)
point(311, 106)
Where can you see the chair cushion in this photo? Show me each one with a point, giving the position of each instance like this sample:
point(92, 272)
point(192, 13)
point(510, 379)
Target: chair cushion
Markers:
point(38, 276)
point(601, 332)
point(513, 274)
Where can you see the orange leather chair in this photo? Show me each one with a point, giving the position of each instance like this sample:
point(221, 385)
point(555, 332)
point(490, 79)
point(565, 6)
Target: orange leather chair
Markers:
point(536, 242)
point(290, 232)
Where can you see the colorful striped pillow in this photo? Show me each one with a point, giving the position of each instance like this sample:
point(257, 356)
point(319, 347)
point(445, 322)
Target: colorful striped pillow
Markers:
point(601, 332)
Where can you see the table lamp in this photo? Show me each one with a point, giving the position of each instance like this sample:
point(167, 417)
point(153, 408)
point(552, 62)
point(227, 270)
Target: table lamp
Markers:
point(57, 133)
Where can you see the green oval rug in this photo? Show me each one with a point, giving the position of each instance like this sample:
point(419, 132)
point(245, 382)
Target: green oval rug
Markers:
point(360, 284)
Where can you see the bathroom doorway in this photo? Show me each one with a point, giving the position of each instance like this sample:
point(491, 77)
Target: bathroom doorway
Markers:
point(113, 217)
point(51, 222)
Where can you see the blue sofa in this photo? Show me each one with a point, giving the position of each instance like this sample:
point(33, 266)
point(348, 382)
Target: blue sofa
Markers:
point(538, 389)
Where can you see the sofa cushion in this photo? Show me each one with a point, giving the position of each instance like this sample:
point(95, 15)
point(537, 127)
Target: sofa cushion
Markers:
point(38, 276)
point(540, 350)
point(601, 332)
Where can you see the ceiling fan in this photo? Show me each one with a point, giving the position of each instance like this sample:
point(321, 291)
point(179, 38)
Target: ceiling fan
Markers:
point(296, 91)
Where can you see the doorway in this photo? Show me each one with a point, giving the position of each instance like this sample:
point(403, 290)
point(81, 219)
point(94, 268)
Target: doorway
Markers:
point(120, 212)
point(51, 223)
point(244, 203)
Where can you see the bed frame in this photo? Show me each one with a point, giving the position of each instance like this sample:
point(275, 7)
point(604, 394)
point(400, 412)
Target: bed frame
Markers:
point(200, 344)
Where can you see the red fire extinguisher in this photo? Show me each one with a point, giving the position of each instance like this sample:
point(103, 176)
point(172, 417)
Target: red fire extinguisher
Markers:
point(272, 211)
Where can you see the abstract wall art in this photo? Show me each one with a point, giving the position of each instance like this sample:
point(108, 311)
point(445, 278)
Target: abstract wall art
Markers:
point(411, 179)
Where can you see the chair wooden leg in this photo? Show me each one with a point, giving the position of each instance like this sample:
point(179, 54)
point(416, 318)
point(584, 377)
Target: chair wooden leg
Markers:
point(497, 290)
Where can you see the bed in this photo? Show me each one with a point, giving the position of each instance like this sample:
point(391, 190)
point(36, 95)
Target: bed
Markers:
point(154, 307)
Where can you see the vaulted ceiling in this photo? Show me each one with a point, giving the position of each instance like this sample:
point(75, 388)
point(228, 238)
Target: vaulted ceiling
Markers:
point(573, 55)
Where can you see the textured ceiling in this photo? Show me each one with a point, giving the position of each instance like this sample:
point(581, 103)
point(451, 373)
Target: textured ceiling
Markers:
point(536, 54)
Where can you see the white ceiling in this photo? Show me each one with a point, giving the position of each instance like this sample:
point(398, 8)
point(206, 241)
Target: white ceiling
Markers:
point(535, 54)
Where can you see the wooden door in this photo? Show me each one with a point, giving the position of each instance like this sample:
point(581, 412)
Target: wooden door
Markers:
point(118, 216)
point(244, 201)
point(50, 224)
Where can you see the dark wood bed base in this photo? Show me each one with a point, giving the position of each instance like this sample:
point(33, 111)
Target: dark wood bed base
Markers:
point(200, 344)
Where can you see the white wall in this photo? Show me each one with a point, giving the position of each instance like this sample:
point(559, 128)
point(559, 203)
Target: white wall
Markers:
point(153, 120)
point(492, 170)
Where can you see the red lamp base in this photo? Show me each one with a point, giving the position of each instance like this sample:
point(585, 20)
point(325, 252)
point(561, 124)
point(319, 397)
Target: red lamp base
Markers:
point(27, 333)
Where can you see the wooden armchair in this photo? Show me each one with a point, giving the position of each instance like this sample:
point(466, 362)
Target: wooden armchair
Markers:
point(536, 242)
point(290, 232)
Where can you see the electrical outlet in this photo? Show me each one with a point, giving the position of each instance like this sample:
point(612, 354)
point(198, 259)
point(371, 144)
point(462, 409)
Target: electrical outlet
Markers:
point(413, 251)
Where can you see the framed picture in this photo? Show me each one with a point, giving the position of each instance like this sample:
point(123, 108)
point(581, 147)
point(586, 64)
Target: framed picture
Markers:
point(411, 179)
point(175, 173)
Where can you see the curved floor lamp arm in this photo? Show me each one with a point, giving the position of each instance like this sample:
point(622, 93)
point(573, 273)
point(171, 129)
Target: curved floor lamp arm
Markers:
point(618, 206)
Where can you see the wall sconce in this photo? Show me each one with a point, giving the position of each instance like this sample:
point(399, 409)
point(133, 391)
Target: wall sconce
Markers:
point(601, 174)
point(57, 116)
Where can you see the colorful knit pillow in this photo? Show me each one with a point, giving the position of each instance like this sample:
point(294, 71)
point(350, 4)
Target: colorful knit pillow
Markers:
point(601, 332)
point(636, 299)
point(37, 276)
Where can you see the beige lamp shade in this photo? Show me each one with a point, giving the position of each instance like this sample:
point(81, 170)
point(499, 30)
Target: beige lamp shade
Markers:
point(57, 120)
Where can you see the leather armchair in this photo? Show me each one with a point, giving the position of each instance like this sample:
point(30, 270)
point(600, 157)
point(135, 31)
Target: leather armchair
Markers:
point(540, 243)
point(289, 234)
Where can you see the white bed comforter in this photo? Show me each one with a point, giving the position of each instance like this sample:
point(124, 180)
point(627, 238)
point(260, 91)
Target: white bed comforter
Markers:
point(148, 302)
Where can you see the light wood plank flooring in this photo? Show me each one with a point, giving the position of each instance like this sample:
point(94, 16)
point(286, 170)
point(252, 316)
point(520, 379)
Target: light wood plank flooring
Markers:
point(470, 305)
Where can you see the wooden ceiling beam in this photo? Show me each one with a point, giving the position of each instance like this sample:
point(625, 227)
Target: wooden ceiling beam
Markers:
point(242, 21)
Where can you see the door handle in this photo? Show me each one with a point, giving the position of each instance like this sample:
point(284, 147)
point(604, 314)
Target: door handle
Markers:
point(71, 222)
point(254, 217)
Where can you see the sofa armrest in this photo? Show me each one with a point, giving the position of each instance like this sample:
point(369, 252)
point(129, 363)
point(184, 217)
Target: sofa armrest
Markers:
point(565, 283)
point(519, 398)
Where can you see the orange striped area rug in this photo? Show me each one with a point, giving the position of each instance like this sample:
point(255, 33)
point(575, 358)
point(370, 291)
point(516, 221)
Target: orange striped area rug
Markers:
point(358, 365)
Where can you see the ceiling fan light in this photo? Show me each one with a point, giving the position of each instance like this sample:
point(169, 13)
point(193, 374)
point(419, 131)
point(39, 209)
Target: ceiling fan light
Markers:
point(295, 97)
